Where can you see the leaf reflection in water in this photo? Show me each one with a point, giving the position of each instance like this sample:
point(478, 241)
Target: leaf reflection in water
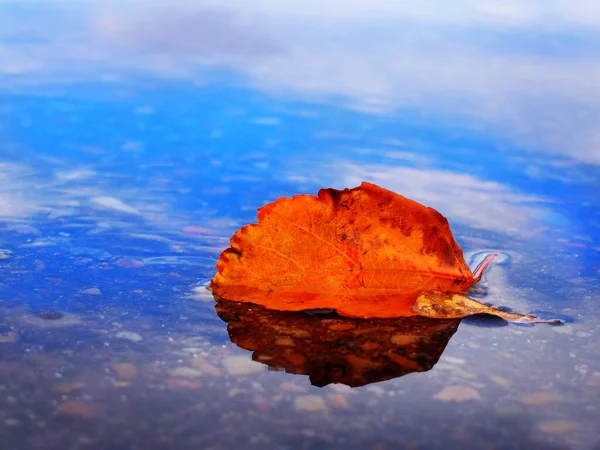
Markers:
point(333, 349)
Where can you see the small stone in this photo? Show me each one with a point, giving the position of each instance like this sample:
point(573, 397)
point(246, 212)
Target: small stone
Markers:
point(68, 388)
point(501, 381)
point(125, 371)
point(463, 373)
point(129, 335)
point(235, 391)
point(206, 367)
point(92, 291)
point(9, 338)
point(57, 320)
point(454, 360)
point(457, 394)
point(185, 372)
point(261, 403)
point(49, 315)
point(129, 263)
point(190, 349)
point(312, 403)
point(289, 386)
point(78, 408)
point(179, 383)
point(539, 399)
point(338, 401)
point(242, 365)
point(559, 427)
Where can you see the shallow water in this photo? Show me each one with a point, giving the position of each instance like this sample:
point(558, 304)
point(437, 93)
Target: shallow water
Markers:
point(134, 140)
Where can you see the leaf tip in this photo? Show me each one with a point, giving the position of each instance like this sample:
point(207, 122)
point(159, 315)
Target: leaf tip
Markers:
point(531, 319)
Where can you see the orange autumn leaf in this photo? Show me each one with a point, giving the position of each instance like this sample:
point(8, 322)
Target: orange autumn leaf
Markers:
point(365, 252)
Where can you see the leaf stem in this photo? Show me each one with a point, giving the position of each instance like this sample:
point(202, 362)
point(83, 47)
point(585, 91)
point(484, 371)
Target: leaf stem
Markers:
point(482, 266)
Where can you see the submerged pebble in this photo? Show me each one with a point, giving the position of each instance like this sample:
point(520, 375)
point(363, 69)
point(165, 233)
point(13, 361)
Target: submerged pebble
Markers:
point(457, 394)
point(338, 401)
point(50, 314)
point(78, 408)
point(185, 372)
point(53, 319)
point(539, 398)
point(92, 291)
point(242, 365)
point(125, 371)
point(129, 263)
point(312, 403)
point(559, 427)
point(205, 367)
point(179, 383)
point(129, 335)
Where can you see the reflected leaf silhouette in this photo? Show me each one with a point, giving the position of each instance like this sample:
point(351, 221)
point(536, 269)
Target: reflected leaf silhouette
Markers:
point(333, 349)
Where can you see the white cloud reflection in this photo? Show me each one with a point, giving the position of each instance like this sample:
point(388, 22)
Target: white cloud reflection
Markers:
point(16, 202)
point(89, 200)
point(527, 70)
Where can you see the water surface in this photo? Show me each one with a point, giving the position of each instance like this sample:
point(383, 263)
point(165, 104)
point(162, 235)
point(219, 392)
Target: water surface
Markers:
point(136, 138)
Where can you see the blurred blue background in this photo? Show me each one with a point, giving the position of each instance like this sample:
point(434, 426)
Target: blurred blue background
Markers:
point(136, 137)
